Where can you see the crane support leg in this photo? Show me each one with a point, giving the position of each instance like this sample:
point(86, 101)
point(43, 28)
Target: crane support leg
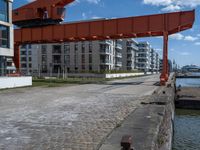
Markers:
point(165, 72)
point(17, 56)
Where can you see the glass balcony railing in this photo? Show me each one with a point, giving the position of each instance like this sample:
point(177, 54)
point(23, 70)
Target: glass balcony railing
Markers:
point(105, 61)
point(119, 46)
point(106, 51)
point(118, 54)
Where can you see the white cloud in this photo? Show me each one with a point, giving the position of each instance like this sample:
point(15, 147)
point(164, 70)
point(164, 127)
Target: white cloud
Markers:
point(158, 2)
point(96, 17)
point(177, 36)
point(173, 5)
point(88, 1)
point(190, 38)
point(171, 8)
point(93, 1)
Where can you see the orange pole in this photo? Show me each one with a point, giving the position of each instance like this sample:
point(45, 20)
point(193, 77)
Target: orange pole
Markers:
point(165, 72)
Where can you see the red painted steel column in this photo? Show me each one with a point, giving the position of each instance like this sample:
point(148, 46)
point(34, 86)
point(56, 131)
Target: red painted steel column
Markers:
point(17, 56)
point(165, 72)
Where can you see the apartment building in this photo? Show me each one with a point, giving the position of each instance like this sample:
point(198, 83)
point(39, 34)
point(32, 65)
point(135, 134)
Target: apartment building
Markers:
point(6, 35)
point(157, 63)
point(144, 57)
point(54, 59)
point(88, 56)
point(129, 54)
point(29, 55)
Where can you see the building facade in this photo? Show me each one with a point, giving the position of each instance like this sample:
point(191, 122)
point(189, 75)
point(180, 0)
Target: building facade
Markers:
point(129, 54)
point(54, 59)
point(88, 56)
point(6, 34)
point(144, 57)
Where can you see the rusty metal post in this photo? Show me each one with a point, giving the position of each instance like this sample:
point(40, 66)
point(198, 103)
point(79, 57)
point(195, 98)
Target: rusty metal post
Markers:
point(165, 72)
point(17, 56)
point(126, 142)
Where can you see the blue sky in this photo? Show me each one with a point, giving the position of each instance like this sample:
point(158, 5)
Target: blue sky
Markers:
point(184, 47)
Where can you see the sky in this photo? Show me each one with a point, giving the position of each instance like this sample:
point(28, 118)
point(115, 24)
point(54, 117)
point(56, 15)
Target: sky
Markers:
point(184, 47)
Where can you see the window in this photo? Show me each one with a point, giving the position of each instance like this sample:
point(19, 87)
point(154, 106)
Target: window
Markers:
point(90, 58)
point(83, 48)
point(4, 10)
point(29, 46)
point(23, 59)
point(76, 47)
point(44, 49)
point(90, 47)
point(67, 49)
point(57, 49)
point(4, 36)
point(83, 58)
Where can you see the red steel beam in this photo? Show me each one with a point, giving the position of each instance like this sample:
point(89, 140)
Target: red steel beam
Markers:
point(132, 27)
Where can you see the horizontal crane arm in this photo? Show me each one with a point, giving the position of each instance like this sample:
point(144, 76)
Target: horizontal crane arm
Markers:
point(132, 27)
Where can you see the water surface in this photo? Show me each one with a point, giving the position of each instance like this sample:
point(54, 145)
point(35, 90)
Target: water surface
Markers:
point(187, 130)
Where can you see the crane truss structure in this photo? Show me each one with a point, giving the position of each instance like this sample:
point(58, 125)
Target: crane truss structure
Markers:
point(40, 22)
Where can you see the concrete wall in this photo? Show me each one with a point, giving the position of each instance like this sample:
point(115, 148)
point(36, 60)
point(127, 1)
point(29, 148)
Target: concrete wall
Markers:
point(13, 82)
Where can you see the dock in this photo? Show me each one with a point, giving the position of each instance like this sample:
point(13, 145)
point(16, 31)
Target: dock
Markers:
point(188, 98)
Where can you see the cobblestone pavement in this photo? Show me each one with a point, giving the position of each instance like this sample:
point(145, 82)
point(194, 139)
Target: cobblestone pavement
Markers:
point(68, 118)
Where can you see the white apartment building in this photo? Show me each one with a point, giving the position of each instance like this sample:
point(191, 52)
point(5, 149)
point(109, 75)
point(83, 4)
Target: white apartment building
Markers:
point(6, 35)
point(88, 56)
point(153, 66)
point(144, 57)
point(54, 59)
point(129, 54)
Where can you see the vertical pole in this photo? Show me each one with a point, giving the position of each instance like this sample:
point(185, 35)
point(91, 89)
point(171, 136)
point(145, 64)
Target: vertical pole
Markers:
point(17, 56)
point(164, 76)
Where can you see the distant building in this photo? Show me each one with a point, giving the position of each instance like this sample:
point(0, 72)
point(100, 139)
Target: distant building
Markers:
point(144, 57)
point(190, 68)
point(129, 54)
point(6, 35)
point(89, 56)
point(50, 59)
point(170, 66)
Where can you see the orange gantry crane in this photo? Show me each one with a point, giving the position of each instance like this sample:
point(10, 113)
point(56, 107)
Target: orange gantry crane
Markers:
point(41, 22)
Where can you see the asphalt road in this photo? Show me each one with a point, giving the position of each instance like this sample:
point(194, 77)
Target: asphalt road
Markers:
point(70, 118)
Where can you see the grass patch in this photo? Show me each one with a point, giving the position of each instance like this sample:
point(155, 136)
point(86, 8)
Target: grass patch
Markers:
point(63, 82)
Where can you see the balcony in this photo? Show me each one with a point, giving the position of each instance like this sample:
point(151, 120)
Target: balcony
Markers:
point(130, 58)
point(105, 51)
point(105, 62)
point(106, 42)
point(118, 46)
point(56, 62)
point(133, 46)
point(118, 64)
point(130, 51)
point(130, 64)
point(119, 55)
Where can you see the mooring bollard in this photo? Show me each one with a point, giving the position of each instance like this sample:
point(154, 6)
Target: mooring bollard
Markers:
point(126, 142)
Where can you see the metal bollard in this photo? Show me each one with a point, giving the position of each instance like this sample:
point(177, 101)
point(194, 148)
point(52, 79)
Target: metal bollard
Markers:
point(126, 142)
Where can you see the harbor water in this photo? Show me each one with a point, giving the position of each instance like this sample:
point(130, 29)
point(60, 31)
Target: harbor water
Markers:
point(187, 122)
